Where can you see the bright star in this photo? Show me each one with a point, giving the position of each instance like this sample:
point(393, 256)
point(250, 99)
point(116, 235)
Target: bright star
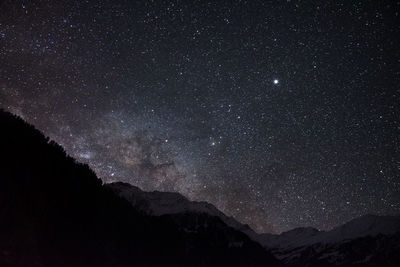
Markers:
point(276, 81)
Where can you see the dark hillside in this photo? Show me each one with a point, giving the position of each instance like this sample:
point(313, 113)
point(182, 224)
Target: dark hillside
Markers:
point(56, 212)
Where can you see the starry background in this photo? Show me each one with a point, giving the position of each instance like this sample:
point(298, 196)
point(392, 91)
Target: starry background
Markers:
point(280, 113)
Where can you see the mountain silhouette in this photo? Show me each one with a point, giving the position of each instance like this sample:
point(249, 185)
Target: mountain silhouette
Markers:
point(369, 240)
point(54, 211)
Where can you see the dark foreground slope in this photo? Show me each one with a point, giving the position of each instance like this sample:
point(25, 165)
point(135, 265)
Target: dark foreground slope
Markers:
point(56, 212)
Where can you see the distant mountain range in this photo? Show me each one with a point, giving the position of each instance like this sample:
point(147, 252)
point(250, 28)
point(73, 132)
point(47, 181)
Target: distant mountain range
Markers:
point(365, 241)
point(56, 212)
point(368, 225)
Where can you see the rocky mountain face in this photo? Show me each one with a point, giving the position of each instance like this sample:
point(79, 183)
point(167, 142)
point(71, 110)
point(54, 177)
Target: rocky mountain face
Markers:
point(56, 212)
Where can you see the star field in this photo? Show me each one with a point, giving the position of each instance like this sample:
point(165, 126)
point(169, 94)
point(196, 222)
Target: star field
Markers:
point(280, 113)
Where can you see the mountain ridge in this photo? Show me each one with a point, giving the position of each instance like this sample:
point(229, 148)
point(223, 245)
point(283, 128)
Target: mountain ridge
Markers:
point(368, 240)
point(57, 212)
point(160, 203)
point(366, 225)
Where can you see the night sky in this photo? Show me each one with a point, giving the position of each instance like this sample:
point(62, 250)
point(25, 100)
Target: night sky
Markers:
point(280, 113)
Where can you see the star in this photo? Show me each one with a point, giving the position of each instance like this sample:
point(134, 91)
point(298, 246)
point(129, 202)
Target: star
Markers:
point(212, 116)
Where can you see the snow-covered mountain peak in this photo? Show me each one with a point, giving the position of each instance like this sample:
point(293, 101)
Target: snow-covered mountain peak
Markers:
point(368, 225)
point(160, 203)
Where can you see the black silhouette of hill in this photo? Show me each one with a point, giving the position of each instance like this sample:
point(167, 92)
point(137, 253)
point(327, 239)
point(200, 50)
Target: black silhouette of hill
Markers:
point(56, 212)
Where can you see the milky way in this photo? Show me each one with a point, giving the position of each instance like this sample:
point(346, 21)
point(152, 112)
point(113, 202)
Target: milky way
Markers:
point(280, 113)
